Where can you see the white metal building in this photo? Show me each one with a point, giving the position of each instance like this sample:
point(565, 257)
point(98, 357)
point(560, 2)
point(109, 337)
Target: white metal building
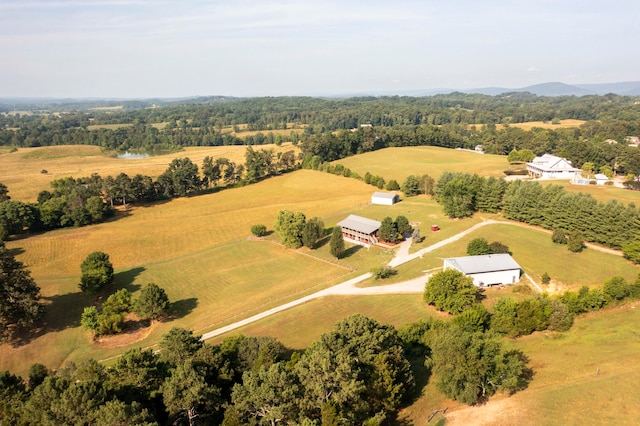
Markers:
point(384, 198)
point(551, 167)
point(486, 270)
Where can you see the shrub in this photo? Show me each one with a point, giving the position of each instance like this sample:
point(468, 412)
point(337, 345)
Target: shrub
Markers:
point(575, 242)
point(559, 236)
point(497, 247)
point(392, 185)
point(259, 230)
point(382, 272)
point(546, 279)
point(560, 319)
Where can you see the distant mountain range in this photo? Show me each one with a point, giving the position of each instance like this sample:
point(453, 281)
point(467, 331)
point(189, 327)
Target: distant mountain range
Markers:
point(627, 88)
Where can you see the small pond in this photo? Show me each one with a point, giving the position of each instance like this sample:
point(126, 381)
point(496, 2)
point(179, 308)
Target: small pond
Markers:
point(132, 156)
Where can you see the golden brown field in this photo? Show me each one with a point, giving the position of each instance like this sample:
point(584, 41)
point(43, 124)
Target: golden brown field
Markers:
point(22, 170)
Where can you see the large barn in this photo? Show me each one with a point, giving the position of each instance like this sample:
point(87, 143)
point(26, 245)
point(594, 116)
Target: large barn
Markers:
point(360, 230)
point(486, 270)
point(384, 198)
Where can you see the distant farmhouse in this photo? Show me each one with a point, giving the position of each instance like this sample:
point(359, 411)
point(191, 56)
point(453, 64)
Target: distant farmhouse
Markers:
point(632, 141)
point(360, 230)
point(384, 198)
point(551, 167)
point(486, 270)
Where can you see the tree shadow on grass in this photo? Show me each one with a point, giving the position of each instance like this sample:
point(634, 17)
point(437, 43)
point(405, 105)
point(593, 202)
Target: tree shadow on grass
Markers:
point(182, 308)
point(351, 251)
point(125, 279)
point(64, 310)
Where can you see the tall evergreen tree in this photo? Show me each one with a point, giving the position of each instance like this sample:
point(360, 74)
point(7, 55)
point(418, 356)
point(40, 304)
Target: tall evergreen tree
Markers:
point(19, 297)
point(336, 244)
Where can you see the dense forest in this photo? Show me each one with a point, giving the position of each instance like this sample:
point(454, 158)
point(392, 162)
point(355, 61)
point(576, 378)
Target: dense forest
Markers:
point(332, 128)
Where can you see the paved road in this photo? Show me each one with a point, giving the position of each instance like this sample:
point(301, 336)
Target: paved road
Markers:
point(402, 256)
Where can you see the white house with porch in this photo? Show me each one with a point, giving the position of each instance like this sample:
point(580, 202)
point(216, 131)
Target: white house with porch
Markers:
point(551, 167)
point(486, 270)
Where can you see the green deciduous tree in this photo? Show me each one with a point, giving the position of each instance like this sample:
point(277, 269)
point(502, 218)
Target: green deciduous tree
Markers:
point(89, 319)
point(559, 236)
point(427, 185)
point(290, 226)
point(97, 272)
point(19, 297)
point(575, 241)
point(392, 185)
point(470, 367)
point(270, 395)
point(411, 186)
point(336, 244)
point(450, 291)
point(478, 246)
point(388, 230)
point(403, 226)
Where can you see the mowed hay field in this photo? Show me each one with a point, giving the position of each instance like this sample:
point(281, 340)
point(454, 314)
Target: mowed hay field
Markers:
point(199, 251)
point(563, 124)
point(22, 170)
point(398, 163)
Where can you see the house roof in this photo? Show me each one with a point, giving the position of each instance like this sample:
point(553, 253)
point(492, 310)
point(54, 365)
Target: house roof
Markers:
point(386, 195)
point(601, 176)
point(484, 263)
point(360, 224)
point(548, 162)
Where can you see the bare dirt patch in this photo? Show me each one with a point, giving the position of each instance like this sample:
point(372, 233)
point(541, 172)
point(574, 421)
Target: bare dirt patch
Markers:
point(499, 411)
point(134, 330)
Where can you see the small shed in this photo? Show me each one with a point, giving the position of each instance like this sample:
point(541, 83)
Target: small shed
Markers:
point(360, 230)
point(486, 270)
point(384, 198)
point(601, 178)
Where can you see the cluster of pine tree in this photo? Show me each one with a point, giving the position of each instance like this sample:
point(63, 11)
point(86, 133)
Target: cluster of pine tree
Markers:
point(611, 224)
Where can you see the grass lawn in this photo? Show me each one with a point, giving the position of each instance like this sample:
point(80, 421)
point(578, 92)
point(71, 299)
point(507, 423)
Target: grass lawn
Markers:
point(22, 170)
point(537, 254)
point(398, 163)
point(601, 193)
point(300, 326)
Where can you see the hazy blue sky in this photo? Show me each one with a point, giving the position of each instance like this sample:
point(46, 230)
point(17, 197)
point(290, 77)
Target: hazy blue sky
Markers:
point(129, 48)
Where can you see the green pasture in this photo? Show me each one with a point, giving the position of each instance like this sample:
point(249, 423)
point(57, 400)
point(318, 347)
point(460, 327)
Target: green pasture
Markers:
point(300, 326)
point(398, 163)
point(601, 193)
point(533, 249)
point(587, 375)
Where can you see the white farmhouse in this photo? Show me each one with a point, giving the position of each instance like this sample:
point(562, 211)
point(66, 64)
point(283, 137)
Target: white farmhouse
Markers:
point(384, 198)
point(551, 167)
point(486, 270)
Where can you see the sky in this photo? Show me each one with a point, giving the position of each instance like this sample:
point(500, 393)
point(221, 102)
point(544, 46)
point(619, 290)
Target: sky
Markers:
point(156, 48)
